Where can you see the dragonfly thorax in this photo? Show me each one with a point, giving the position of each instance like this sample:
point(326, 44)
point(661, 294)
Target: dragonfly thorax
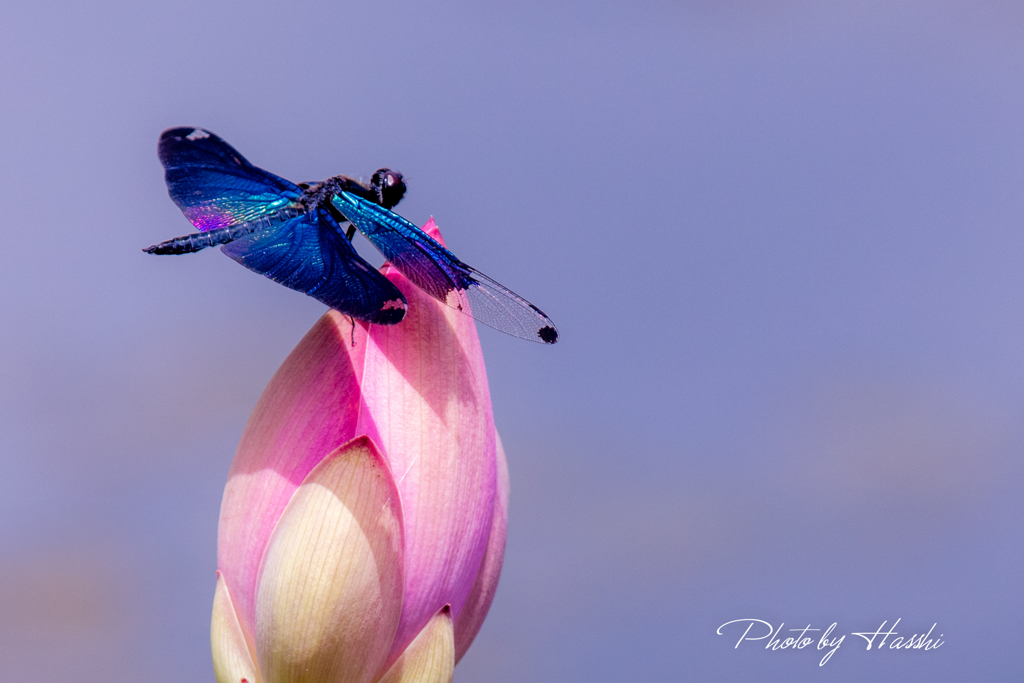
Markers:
point(386, 188)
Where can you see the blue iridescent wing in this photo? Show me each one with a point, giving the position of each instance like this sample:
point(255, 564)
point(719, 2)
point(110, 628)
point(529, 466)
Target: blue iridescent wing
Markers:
point(437, 271)
point(311, 255)
point(215, 187)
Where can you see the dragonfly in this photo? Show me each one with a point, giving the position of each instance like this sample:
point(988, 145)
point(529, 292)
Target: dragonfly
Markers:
point(300, 235)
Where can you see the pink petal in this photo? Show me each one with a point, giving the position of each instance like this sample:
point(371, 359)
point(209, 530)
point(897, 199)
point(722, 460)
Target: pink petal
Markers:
point(426, 403)
point(308, 409)
point(330, 588)
point(472, 616)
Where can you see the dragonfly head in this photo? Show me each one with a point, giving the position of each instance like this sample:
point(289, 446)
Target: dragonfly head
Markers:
point(389, 186)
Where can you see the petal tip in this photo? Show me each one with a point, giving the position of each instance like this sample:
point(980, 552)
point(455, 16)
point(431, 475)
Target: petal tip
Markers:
point(430, 657)
point(431, 229)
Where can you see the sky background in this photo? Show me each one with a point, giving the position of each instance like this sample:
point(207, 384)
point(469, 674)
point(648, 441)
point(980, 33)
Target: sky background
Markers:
point(782, 241)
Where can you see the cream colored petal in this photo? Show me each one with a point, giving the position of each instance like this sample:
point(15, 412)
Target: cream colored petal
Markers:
point(329, 594)
point(232, 661)
point(430, 657)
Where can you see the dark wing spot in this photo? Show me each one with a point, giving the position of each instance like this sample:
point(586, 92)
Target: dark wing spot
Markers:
point(548, 334)
point(391, 313)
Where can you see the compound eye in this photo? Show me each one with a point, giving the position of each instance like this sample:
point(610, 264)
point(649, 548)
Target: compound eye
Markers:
point(390, 187)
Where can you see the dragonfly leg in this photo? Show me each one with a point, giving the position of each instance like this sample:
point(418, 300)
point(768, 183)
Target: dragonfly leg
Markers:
point(353, 321)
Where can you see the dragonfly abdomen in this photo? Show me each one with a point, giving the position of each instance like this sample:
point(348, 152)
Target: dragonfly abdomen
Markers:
point(188, 244)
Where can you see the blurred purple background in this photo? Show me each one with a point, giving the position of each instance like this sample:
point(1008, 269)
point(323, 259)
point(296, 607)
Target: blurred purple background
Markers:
point(783, 242)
